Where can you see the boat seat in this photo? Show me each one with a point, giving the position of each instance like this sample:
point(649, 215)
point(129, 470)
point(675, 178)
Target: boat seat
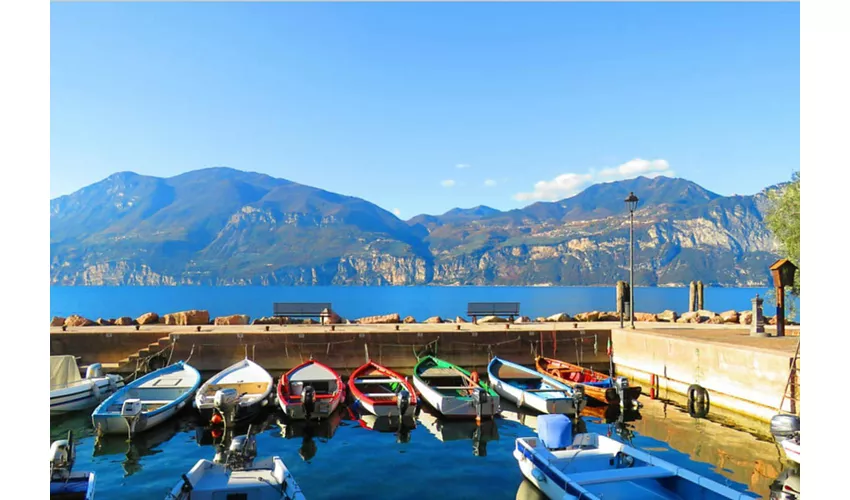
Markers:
point(547, 390)
point(454, 387)
point(374, 380)
point(380, 395)
point(614, 475)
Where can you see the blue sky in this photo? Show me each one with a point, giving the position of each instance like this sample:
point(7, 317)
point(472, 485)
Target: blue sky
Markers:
point(420, 108)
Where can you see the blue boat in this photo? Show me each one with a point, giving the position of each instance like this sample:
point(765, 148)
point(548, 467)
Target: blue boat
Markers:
point(147, 401)
point(64, 483)
point(525, 387)
point(594, 467)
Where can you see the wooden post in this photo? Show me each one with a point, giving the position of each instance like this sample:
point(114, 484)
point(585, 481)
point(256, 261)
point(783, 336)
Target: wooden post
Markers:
point(780, 311)
point(700, 302)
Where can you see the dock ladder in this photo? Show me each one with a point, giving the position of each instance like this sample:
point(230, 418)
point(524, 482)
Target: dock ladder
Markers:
point(792, 386)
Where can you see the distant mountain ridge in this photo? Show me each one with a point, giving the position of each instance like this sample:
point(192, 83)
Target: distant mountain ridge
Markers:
point(221, 226)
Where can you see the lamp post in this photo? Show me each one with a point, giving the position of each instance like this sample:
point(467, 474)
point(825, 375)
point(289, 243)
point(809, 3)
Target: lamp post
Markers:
point(632, 202)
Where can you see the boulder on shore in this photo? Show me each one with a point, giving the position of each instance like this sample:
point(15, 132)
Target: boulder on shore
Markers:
point(610, 316)
point(706, 315)
point(57, 321)
point(745, 317)
point(559, 318)
point(522, 319)
point(689, 317)
point(233, 319)
point(460, 320)
point(409, 319)
point(730, 316)
point(269, 320)
point(540, 319)
point(309, 321)
point(492, 319)
point(587, 316)
point(125, 321)
point(648, 317)
point(380, 320)
point(433, 320)
point(148, 318)
point(105, 322)
point(77, 320)
point(668, 315)
point(193, 317)
point(715, 320)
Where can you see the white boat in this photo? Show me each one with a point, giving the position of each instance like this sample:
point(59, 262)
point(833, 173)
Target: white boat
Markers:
point(786, 431)
point(453, 391)
point(65, 484)
point(70, 392)
point(527, 387)
point(310, 390)
point(147, 401)
point(234, 474)
point(237, 393)
point(595, 467)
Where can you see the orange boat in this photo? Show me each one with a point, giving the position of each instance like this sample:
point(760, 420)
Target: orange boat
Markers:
point(597, 386)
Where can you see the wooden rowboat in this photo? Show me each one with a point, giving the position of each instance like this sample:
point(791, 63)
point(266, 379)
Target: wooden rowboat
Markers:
point(382, 391)
point(310, 390)
point(597, 386)
point(525, 387)
point(453, 391)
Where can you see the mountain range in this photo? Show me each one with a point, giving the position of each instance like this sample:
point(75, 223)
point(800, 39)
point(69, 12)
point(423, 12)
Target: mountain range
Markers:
point(220, 226)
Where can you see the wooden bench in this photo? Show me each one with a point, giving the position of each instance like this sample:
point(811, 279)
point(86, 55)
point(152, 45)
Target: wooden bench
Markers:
point(617, 475)
point(319, 310)
point(476, 309)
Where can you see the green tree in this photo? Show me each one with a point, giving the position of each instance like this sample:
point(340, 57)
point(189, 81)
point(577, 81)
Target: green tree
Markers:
point(783, 220)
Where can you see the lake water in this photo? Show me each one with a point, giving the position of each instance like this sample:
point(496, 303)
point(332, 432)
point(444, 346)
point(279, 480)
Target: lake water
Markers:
point(353, 302)
point(345, 458)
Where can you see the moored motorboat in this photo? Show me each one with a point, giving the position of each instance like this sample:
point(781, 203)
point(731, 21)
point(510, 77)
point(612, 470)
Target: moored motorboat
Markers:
point(147, 401)
point(526, 387)
point(69, 392)
point(236, 394)
point(786, 431)
point(589, 466)
point(64, 483)
point(453, 391)
point(310, 390)
point(234, 473)
point(382, 391)
point(597, 386)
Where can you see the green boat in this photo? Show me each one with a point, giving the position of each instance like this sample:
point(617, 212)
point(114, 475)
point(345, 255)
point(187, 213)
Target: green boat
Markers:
point(453, 391)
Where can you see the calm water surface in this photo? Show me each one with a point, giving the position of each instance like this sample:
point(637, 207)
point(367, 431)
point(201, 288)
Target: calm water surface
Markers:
point(349, 457)
point(352, 302)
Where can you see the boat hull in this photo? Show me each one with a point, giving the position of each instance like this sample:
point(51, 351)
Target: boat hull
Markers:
point(384, 406)
point(244, 413)
point(79, 486)
point(554, 402)
point(792, 450)
point(453, 407)
point(82, 396)
point(117, 424)
point(324, 407)
point(600, 394)
point(222, 477)
point(385, 410)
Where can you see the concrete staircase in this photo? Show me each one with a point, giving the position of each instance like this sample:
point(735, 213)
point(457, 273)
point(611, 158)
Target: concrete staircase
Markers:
point(128, 364)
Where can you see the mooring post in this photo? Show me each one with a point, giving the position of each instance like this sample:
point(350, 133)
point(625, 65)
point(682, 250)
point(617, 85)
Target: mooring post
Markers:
point(692, 296)
point(700, 302)
point(757, 326)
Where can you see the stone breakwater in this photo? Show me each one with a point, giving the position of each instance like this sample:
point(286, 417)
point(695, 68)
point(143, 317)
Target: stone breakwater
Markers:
point(202, 317)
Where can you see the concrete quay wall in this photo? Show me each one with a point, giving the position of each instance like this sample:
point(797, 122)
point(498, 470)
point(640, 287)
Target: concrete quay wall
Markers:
point(747, 379)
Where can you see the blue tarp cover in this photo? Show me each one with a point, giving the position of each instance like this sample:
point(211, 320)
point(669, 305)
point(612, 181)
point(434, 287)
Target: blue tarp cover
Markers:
point(556, 431)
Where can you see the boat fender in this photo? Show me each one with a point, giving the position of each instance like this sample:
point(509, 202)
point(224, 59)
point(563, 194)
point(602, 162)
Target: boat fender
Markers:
point(699, 401)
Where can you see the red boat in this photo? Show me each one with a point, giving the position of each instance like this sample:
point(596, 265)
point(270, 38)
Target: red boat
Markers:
point(310, 390)
point(597, 386)
point(382, 391)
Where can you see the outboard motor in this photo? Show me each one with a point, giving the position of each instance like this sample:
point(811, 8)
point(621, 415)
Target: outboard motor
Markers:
point(131, 410)
point(479, 399)
point(784, 426)
point(579, 398)
point(94, 370)
point(403, 402)
point(242, 451)
point(308, 400)
point(621, 384)
point(62, 456)
point(226, 401)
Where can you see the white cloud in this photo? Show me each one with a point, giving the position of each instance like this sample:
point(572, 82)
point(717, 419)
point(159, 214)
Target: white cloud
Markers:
point(448, 183)
point(563, 186)
point(566, 185)
point(463, 165)
point(636, 167)
point(490, 182)
point(397, 212)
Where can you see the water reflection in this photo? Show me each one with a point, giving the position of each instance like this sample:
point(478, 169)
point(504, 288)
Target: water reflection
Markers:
point(142, 445)
point(787, 485)
point(459, 430)
point(528, 491)
point(309, 431)
point(402, 427)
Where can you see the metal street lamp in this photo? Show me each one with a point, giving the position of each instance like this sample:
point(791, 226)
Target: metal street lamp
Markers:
point(632, 202)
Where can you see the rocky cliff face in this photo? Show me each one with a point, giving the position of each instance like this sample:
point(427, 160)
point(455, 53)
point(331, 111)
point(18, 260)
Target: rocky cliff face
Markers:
point(225, 227)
